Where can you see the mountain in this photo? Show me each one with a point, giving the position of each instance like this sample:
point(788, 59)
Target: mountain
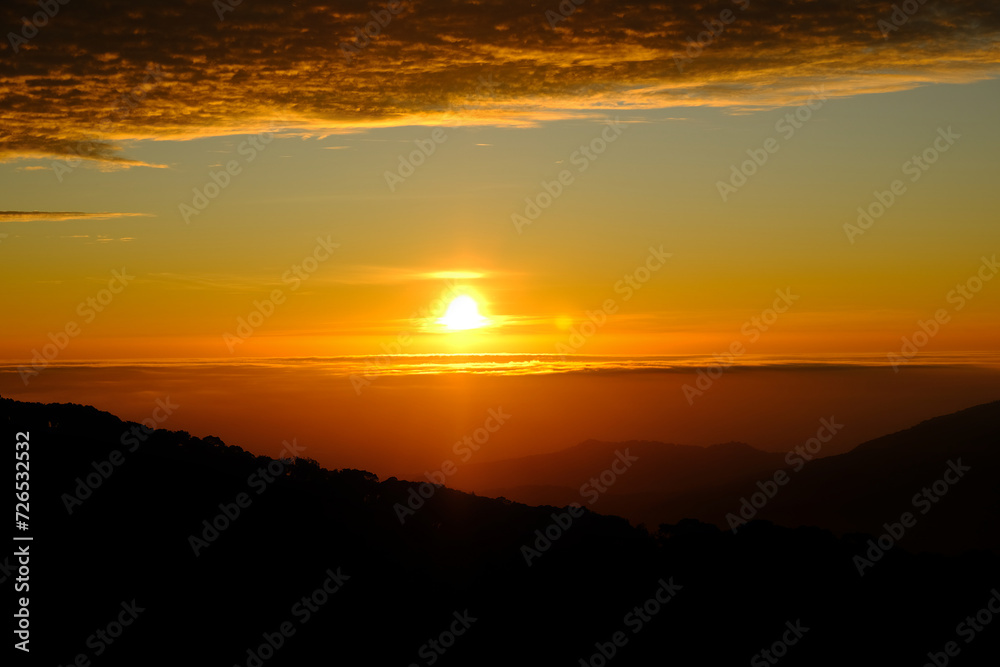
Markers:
point(654, 471)
point(856, 491)
point(658, 465)
point(944, 471)
point(162, 548)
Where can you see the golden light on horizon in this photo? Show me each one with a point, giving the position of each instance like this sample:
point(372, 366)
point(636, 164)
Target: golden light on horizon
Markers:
point(463, 314)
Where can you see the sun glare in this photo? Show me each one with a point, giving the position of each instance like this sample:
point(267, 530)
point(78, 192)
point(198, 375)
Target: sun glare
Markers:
point(463, 313)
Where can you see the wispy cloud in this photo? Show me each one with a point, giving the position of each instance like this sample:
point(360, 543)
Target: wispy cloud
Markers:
point(343, 275)
point(388, 275)
point(28, 216)
point(517, 364)
point(207, 282)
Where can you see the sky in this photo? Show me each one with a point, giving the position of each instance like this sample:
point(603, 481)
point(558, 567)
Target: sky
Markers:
point(425, 160)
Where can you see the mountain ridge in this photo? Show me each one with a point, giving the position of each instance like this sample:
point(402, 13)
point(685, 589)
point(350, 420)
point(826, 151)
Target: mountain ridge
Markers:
point(845, 492)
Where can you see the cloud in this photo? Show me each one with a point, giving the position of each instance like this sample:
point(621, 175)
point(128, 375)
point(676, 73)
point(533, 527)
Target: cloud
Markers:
point(207, 282)
point(345, 275)
point(514, 364)
point(101, 153)
point(29, 216)
point(98, 76)
point(392, 275)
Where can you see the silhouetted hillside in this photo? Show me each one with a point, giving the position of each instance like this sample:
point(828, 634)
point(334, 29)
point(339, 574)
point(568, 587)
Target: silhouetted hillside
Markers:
point(853, 492)
point(563, 475)
point(398, 586)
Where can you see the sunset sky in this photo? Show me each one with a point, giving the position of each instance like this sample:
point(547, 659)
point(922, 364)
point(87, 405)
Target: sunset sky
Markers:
point(475, 256)
point(512, 100)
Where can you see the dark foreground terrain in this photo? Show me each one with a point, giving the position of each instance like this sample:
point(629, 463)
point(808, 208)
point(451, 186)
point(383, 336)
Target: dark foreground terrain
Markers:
point(307, 566)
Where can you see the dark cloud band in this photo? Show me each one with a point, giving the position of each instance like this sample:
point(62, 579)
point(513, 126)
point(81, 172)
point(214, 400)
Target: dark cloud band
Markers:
point(96, 74)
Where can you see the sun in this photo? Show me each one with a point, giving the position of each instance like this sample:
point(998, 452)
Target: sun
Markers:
point(463, 313)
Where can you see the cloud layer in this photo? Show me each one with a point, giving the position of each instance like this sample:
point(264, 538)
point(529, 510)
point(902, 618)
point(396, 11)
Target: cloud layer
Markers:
point(98, 75)
point(29, 216)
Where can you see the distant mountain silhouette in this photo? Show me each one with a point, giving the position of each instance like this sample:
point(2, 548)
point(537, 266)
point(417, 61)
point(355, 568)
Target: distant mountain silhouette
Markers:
point(679, 467)
point(450, 585)
point(856, 491)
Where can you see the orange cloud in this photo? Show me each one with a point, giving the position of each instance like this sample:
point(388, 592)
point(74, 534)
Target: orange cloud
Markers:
point(96, 77)
point(29, 216)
